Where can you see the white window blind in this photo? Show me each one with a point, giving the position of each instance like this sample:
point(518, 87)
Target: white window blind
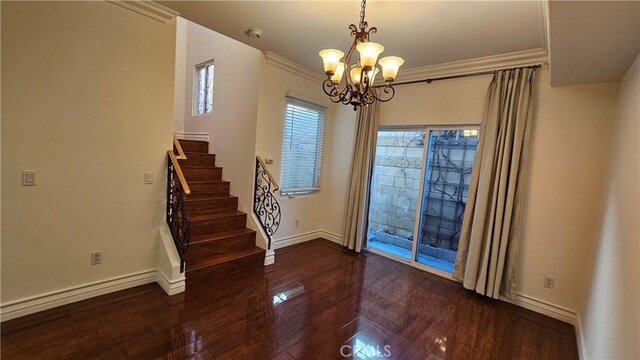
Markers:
point(302, 147)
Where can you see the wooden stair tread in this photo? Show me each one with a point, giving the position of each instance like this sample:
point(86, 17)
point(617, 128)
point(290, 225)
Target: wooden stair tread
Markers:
point(211, 198)
point(222, 258)
point(221, 235)
point(192, 141)
point(220, 215)
point(197, 154)
point(199, 167)
point(205, 182)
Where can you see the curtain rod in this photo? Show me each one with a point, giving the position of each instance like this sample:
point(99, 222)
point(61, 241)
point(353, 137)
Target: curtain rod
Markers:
point(480, 73)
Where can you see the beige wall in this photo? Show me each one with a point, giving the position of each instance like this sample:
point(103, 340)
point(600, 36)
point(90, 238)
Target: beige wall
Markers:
point(569, 146)
point(611, 311)
point(309, 210)
point(87, 102)
point(232, 124)
point(337, 169)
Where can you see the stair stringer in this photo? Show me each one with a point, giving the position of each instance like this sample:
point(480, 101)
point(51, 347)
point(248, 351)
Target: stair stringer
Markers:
point(262, 240)
point(168, 272)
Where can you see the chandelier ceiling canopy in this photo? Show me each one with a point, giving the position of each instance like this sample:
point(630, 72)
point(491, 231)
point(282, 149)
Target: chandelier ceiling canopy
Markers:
point(358, 89)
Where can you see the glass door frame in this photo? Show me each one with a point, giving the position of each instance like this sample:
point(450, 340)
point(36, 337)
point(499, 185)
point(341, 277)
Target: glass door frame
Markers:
point(418, 215)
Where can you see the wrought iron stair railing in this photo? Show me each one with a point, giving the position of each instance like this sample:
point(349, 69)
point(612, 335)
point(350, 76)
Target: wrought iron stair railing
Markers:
point(265, 205)
point(177, 189)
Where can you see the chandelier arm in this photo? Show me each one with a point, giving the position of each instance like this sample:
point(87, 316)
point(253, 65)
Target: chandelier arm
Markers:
point(345, 96)
point(353, 30)
point(369, 96)
point(387, 89)
point(347, 62)
point(331, 89)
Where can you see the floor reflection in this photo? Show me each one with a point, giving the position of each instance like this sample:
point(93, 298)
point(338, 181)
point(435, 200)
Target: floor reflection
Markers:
point(287, 291)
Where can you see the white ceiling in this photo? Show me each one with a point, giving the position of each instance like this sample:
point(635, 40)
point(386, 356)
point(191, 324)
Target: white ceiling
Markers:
point(592, 42)
point(589, 42)
point(422, 32)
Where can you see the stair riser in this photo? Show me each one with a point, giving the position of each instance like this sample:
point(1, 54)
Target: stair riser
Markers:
point(198, 160)
point(208, 190)
point(216, 205)
point(202, 174)
point(220, 247)
point(194, 146)
point(249, 262)
point(217, 225)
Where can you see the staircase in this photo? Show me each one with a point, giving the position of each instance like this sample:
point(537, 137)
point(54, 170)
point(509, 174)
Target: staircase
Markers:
point(218, 230)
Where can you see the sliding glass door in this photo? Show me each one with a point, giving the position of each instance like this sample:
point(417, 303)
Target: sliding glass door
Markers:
point(450, 156)
point(395, 191)
point(419, 191)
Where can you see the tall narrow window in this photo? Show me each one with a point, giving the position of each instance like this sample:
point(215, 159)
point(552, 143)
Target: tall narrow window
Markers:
point(302, 147)
point(204, 89)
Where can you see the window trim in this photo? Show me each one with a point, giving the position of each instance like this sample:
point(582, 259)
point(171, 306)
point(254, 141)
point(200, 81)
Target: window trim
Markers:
point(194, 96)
point(291, 193)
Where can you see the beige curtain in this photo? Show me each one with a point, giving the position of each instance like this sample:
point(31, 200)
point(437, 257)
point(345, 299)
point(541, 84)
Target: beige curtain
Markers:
point(489, 239)
point(356, 214)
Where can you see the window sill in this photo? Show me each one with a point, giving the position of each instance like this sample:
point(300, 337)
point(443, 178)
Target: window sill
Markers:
point(202, 115)
point(292, 195)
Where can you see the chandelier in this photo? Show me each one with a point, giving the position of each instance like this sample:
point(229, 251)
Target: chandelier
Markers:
point(358, 89)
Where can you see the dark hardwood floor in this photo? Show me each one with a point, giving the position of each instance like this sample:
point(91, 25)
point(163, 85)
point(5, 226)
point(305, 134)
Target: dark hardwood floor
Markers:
point(313, 301)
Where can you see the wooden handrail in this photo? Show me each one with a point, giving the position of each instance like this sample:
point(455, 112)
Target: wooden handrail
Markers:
point(264, 166)
point(183, 181)
point(176, 143)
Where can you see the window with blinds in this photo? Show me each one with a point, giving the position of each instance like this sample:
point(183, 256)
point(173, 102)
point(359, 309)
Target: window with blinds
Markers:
point(302, 147)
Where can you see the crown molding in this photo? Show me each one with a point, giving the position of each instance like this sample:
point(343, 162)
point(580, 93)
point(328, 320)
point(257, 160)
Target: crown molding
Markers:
point(288, 65)
point(543, 18)
point(519, 58)
point(147, 8)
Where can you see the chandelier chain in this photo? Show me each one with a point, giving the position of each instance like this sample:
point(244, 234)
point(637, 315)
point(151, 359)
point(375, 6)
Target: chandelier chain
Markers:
point(363, 5)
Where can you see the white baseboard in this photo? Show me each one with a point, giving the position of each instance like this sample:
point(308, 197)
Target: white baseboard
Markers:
point(543, 307)
point(33, 304)
point(50, 300)
point(269, 257)
point(554, 311)
point(171, 287)
point(336, 238)
point(192, 136)
point(295, 239)
point(303, 237)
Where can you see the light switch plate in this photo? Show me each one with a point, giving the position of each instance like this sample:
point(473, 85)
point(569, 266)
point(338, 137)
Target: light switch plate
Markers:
point(28, 178)
point(96, 258)
point(148, 178)
point(268, 161)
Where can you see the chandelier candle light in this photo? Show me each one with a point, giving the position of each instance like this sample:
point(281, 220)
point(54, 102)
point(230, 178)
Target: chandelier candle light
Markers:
point(358, 89)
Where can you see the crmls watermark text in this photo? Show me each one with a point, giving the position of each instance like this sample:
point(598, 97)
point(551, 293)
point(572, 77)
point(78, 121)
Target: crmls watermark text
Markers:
point(369, 351)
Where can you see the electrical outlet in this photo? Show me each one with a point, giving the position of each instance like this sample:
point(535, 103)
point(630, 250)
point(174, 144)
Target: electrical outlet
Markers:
point(296, 222)
point(549, 282)
point(148, 178)
point(29, 178)
point(96, 257)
